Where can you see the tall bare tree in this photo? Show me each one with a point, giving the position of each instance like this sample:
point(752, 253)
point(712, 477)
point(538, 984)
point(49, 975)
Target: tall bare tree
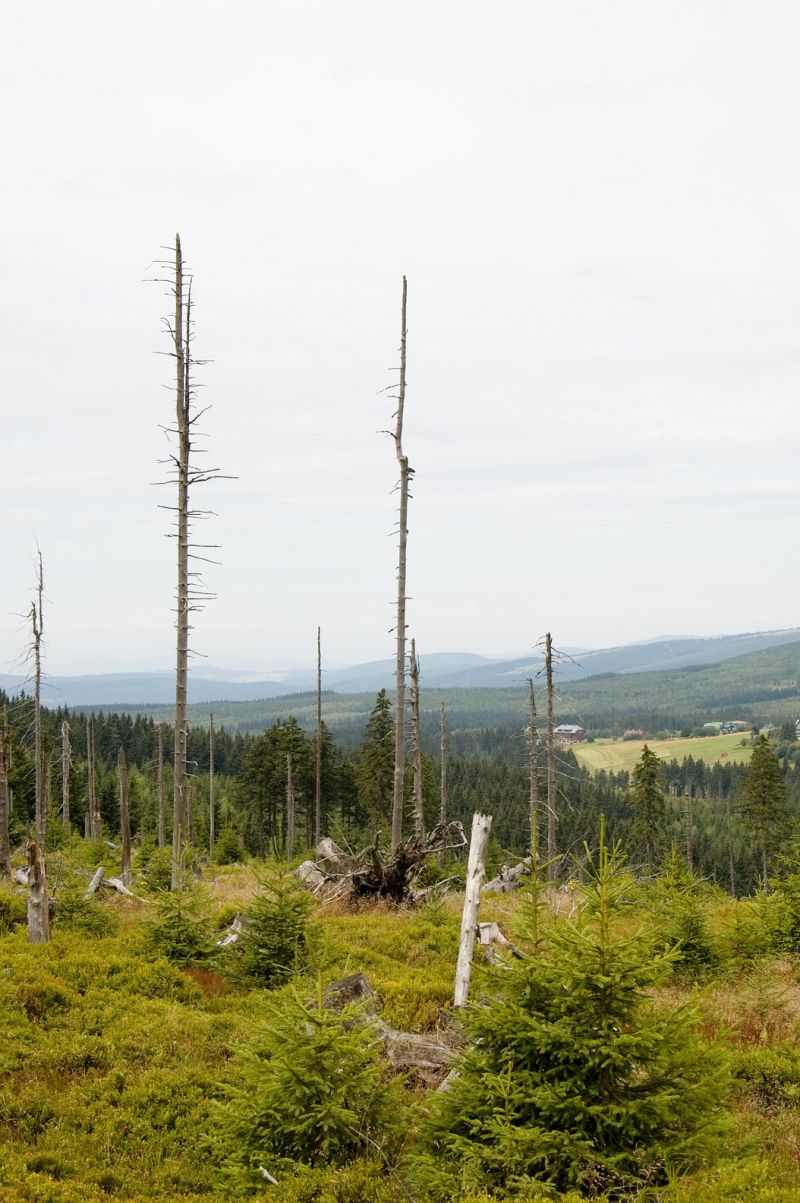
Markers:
point(406, 474)
point(5, 799)
point(185, 474)
point(211, 803)
point(552, 845)
point(66, 763)
point(40, 775)
point(533, 764)
point(416, 744)
point(124, 816)
point(318, 770)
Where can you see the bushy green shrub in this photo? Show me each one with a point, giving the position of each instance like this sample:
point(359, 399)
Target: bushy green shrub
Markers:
point(274, 940)
point(572, 1077)
point(228, 848)
point(311, 1089)
point(181, 931)
point(13, 910)
point(75, 912)
point(156, 868)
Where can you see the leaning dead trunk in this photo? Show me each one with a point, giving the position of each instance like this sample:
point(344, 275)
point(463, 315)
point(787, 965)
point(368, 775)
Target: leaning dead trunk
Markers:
point(481, 826)
point(406, 472)
point(38, 906)
point(124, 816)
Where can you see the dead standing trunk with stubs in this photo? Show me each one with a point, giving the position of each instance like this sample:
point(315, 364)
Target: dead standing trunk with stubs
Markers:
point(66, 761)
point(406, 473)
point(552, 846)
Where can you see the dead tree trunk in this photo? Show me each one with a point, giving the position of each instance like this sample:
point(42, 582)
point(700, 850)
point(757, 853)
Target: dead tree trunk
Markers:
point(442, 774)
point(189, 813)
point(406, 472)
point(290, 834)
point(687, 823)
point(66, 760)
point(481, 826)
point(180, 339)
point(533, 761)
point(318, 768)
point(38, 905)
point(211, 834)
point(5, 809)
point(124, 816)
point(160, 784)
point(552, 847)
point(416, 744)
point(37, 627)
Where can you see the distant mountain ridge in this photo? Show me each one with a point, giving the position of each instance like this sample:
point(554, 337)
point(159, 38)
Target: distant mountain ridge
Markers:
point(439, 670)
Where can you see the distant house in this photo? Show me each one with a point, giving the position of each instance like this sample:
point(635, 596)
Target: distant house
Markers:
point(635, 733)
point(732, 725)
point(569, 734)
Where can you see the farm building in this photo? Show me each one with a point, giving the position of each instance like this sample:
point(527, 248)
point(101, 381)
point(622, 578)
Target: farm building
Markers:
point(569, 734)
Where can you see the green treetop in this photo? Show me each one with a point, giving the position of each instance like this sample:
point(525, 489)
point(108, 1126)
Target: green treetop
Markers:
point(376, 765)
point(647, 797)
point(763, 799)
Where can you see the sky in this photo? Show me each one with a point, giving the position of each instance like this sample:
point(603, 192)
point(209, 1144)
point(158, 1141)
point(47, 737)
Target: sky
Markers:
point(596, 207)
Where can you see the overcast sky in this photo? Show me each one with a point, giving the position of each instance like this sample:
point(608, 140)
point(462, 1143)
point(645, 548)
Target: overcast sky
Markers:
point(598, 210)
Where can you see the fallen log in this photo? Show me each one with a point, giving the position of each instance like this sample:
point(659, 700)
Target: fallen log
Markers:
point(21, 877)
point(492, 938)
point(232, 934)
point(99, 874)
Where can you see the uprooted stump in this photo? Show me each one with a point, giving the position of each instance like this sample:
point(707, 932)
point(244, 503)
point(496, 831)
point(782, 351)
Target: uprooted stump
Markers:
point(375, 872)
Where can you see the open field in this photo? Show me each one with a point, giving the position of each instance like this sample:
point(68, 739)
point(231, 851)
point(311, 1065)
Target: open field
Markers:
point(619, 755)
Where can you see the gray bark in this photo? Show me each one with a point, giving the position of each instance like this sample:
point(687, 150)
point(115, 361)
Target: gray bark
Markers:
point(406, 473)
point(38, 905)
point(37, 627)
point(481, 826)
point(180, 339)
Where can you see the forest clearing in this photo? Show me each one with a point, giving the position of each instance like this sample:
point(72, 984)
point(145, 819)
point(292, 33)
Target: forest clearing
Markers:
point(621, 755)
point(120, 1061)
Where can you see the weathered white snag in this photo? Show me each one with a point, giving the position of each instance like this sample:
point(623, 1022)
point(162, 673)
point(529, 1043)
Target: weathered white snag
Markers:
point(481, 826)
point(99, 874)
